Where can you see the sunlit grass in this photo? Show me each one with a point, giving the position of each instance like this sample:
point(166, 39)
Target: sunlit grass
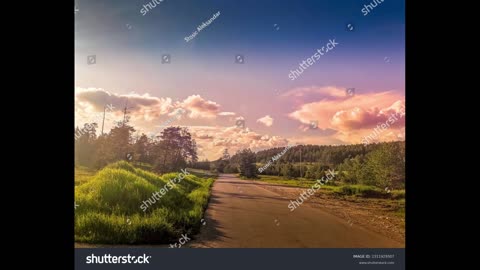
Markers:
point(337, 188)
point(109, 210)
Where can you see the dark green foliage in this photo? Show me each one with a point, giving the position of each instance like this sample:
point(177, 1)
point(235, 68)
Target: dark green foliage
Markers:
point(170, 152)
point(246, 163)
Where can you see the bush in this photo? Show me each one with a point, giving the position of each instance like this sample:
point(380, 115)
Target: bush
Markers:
point(361, 190)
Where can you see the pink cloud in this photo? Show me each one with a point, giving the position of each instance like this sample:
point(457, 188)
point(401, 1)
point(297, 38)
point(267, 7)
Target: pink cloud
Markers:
point(267, 120)
point(352, 117)
point(200, 107)
point(361, 104)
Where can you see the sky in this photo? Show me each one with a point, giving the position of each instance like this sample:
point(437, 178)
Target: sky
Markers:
point(273, 37)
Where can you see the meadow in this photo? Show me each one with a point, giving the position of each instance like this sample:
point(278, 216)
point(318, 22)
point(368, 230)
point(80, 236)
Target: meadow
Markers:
point(338, 188)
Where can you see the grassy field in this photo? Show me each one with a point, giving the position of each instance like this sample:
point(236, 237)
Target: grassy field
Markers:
point(337, 188)
point(109, 200)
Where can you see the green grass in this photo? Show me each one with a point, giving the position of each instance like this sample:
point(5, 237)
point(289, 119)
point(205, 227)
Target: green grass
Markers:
point(113, 196)
point(83, 175)
point(337, 188)
point(203, 173)
point(143, 166)
point(299, 182)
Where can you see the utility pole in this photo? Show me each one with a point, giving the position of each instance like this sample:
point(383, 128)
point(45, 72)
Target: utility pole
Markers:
point(301, 174)
point(103, 122)
point(125, 112)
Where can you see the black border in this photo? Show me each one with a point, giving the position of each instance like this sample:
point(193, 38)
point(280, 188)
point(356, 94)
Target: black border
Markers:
point(50, 72)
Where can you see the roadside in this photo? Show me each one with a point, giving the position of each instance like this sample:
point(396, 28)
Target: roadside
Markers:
point(383, 216)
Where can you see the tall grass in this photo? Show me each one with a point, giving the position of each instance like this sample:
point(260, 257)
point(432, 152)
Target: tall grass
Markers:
point(109, 211)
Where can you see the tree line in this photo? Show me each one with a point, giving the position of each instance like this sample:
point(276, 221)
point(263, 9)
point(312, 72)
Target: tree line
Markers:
point(171, 151)
point(380, 164)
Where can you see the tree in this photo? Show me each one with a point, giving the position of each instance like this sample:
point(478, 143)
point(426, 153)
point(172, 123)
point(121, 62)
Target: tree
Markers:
point(226, 155)
point(247, 165)
point(141, 149)
point(113, 146)
point(120, 141)
point(175, 148)
point(385, 166)
point(288, 171)
point(84, 144)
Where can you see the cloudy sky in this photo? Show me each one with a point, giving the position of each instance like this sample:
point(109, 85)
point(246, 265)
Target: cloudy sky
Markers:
point(274, 36)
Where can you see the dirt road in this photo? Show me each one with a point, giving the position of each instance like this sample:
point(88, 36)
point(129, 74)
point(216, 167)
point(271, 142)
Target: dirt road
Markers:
point(243, 213)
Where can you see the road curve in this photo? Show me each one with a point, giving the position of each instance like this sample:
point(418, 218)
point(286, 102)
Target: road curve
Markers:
point(242, 214)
